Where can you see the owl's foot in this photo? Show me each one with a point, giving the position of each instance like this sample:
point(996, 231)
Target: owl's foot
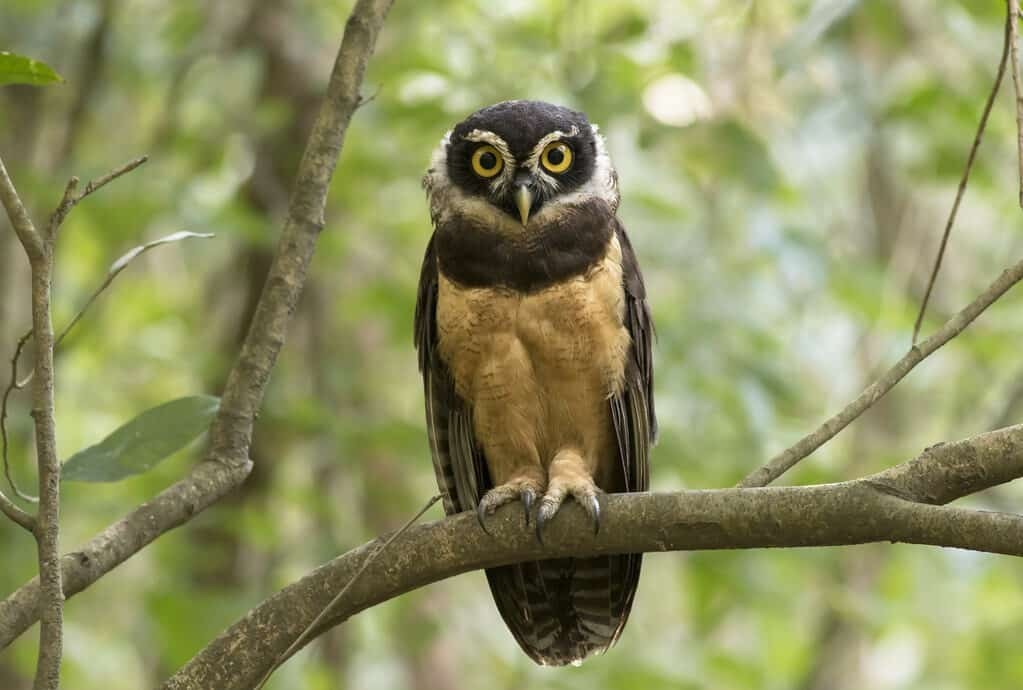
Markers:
point(568, 477)
point(525, 486)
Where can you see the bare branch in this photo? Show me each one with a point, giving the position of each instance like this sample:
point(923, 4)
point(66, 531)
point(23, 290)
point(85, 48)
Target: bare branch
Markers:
point(231, 433)
point(47, 530)
point(115, 269)
point(71, 199)
point(1013, 20)
point(119, 265)
point(12, 386)
point(1009, 23)
point(16, 514)
point(300, 641)
point(895, 505)
point(207, 483)
point(785, 460)
point(20, 220)
point(100, 182)
point(228, 463)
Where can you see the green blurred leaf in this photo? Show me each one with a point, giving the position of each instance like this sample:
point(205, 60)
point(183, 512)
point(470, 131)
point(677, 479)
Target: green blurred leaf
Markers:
point(144, 441)
point(18, 69)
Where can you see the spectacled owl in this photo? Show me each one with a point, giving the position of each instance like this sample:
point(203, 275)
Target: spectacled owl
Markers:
point(534, 341)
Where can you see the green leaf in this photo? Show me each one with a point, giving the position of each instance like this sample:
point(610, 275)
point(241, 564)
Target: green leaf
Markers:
point(143, 442)
point(18, 69)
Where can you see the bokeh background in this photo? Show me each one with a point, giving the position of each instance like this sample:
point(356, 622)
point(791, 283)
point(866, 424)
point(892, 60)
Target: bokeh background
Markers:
point(786, 169)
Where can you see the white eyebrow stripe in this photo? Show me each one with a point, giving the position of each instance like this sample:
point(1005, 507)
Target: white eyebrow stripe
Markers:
point(503, 178)
point(534, 158)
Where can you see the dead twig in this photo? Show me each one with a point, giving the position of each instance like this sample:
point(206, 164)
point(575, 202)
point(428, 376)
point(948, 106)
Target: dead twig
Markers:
point(1013, 10)
point(785, 460)
point(329, 608)
point(71, 199)
point(12, 386)
point(964, 180)
point(16, 514)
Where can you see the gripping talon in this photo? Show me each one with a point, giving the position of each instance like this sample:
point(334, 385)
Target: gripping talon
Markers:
point(527, 503)
point(480, 515)
point(541, 520)
point(595, 514)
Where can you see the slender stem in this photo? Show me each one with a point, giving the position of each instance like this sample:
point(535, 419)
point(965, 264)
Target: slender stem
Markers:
point(328, 609)
point(19, 217)
point(965, 179)
point(48, 528)
point(1013, 10)
point(16, 514)
point(785, 460)
point(47, 523)
point(12, 386)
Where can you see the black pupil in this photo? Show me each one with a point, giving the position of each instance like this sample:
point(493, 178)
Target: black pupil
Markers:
point(555, 156)
point(488, 161)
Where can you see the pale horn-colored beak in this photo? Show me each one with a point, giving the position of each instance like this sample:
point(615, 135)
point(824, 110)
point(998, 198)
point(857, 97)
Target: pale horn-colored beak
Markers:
point(524, 202)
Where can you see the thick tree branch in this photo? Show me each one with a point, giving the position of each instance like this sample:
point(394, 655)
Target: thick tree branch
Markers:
point(899, 505)
point(785, 460)
point(231, 432)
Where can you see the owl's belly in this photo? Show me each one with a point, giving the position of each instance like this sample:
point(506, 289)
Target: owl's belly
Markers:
point(544, 362)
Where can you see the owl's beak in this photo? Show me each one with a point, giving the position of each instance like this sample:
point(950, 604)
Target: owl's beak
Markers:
point(523, 199)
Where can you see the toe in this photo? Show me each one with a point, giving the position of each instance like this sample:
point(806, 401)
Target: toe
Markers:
point(525, 490)
point(481, 512)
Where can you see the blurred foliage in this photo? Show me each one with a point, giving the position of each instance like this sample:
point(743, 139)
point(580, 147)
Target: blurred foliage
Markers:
point(786, 169)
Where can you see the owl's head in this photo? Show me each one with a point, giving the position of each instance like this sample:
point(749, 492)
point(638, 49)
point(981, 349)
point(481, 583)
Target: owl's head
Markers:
point(521, 163)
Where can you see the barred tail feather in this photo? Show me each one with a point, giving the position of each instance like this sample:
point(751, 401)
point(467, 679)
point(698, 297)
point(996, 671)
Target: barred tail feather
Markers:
point(562, 611)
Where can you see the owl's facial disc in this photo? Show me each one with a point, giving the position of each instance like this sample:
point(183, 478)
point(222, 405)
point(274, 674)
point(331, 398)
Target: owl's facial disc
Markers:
point(526, 161)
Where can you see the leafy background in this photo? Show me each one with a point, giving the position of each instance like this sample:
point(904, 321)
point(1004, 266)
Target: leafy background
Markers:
point(786, 169)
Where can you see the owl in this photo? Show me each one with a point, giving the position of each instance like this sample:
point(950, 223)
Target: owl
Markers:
point(534, 340)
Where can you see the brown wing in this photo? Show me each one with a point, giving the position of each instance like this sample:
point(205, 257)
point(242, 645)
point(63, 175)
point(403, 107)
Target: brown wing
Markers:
point(457, 459)
point(632, 410)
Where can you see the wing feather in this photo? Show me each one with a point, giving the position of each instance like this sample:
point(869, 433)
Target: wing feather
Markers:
point(457, 459)
point(632, 408)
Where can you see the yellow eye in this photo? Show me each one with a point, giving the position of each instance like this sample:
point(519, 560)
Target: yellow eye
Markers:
point(486, 161)
point(556, 157)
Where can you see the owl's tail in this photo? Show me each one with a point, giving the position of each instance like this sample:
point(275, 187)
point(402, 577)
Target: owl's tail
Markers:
point(561, 611)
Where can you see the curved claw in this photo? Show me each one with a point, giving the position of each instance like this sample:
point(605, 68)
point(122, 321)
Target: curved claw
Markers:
point(595, 514)
point(480, 515)
point(528, 496)
point(541, 520)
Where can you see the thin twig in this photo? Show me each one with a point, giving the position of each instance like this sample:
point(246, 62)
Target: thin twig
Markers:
point(71, 199)
point(12, 386)
point(784, 461)
point(119, 265)
point(19, 217)
point(300, 640)
point(16, 514)
point(115, 269)
point(966, 176)
point(1013, 9)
